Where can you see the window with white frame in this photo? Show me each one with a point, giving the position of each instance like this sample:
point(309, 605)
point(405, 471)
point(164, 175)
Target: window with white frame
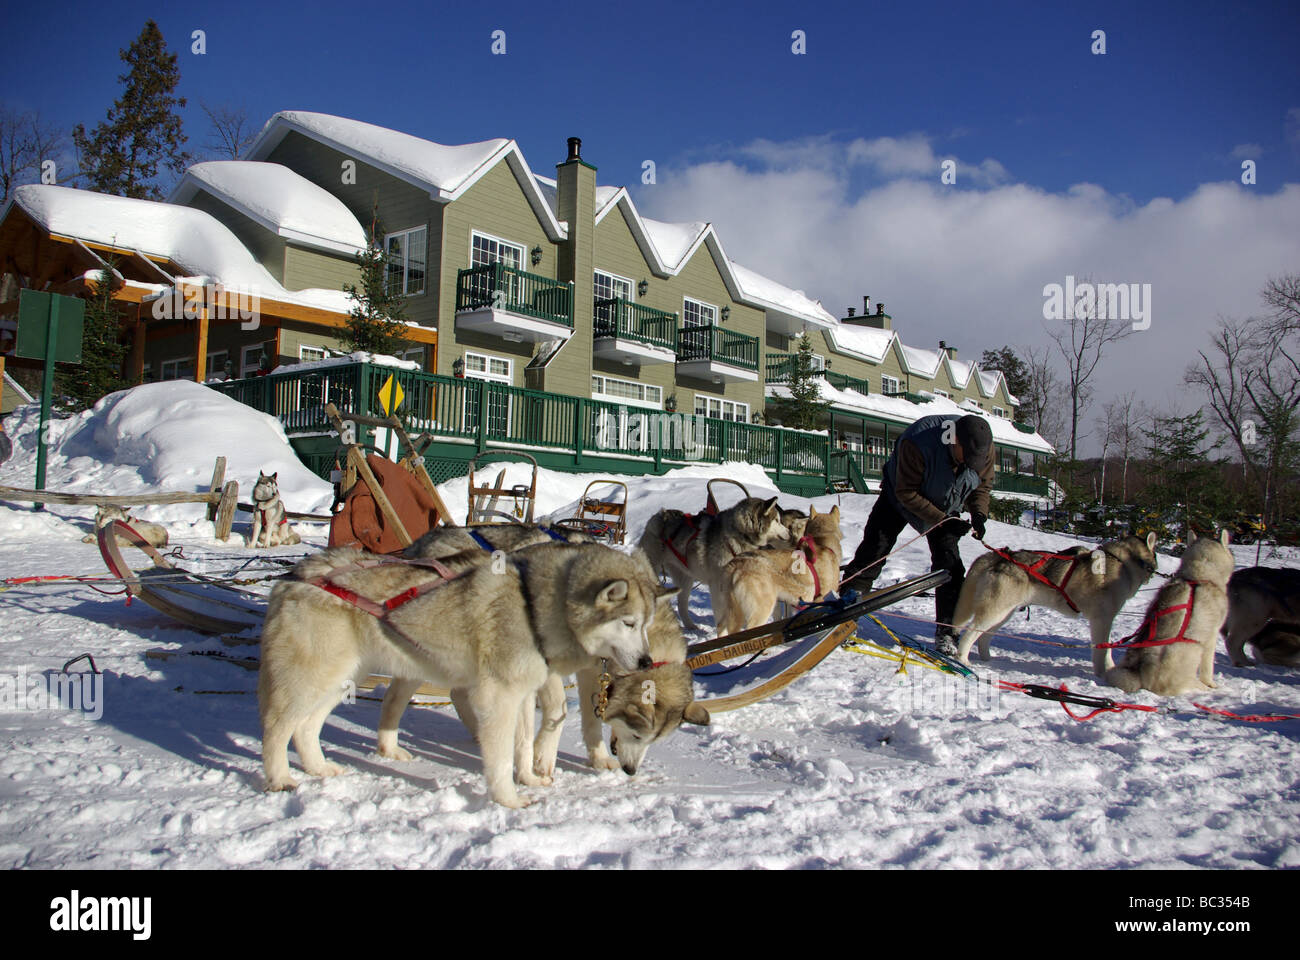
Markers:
point(217, 363)
point(629, 392)
point(250, 359)
point(696, 313)
point(485, 249)
point(307, 352)
point(482, 366)
point(407, 260)
point(721, 409)
point(876, 446)
point(607, 286)
point(943, 393)
point(182, 368)
point(888, 384)
point(999, 412)
point(414, 354)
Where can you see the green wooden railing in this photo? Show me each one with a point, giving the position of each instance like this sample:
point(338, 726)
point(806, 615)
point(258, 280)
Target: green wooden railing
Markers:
point(617, 317)
point(711, 342)
point(780, 367)
point(507, 288)
point(475, 413)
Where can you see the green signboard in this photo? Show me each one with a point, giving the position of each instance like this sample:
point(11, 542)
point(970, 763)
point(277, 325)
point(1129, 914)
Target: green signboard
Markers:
point(34, 312)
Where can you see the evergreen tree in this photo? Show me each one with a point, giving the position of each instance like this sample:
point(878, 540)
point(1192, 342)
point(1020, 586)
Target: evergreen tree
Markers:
point(376, 322)
point(1013, 369)
point(1185, 476)
point(805, 407)
point(142, 133)
point(102, 351)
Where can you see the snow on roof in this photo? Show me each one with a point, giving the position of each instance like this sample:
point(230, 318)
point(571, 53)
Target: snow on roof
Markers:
point(870, 342)
point(755, 286)
point(961, 370)
point(550, 191)
point(444, 167)
point(279, 199)
point(924, 362)
point(902, 410)
point(673, 241)
point(203, 247)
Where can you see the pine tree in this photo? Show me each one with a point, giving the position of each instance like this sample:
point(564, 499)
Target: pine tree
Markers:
point(102, 351)
point(1014, 370)
point(376, 322)
point(805, 408)
point(142, 133)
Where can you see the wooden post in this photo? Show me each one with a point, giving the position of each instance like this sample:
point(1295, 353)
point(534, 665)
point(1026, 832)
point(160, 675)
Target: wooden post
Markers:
point(201, 344)
point(225, 516)
point(135, 361)
point(2, 380)
point(218, 478)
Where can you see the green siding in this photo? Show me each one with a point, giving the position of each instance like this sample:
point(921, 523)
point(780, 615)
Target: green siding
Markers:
point(304, 267)
point(266, 247)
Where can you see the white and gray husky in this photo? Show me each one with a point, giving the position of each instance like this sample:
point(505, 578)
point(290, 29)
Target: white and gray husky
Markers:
point(691, 548)
point(154, 533)
point(1101, 582)
point(270, 524)
point(497, 631)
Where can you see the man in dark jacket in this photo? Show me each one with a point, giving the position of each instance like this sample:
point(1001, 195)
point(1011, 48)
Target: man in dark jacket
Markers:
point(941, 465)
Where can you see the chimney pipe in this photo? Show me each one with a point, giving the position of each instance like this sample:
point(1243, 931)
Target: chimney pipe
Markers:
point(850, 311)
point(575, 149)
point(880, 309)
point(866, 304)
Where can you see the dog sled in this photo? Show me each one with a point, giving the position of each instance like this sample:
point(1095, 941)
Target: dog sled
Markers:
point(604, 519)
point(483, 500)
point(198, 601)
point(811, 635)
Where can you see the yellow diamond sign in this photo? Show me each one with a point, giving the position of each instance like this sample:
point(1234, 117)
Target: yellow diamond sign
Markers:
point(391, 395)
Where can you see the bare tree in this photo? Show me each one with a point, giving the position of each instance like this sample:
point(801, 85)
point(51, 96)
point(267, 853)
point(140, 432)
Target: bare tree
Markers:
point(231, 135)
point(25, 142)
point(1083, 337)
point(1041, 400)
point(1252, 378)
point(1122, 434)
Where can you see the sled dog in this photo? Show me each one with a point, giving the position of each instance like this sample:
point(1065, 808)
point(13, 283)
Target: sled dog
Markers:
point(638, 714)
point(269, 522)
point(752, 583)
point(444, 541)
point(1189, 609)
point(690, 548)
point(1102, 581)
point(154, 533)
point(1264, 612)
point(496, 630)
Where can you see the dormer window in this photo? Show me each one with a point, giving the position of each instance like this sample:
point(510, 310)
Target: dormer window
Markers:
point(407, 260)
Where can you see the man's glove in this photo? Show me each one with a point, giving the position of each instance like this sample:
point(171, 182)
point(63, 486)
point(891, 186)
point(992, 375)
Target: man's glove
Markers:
point(956, 527)
point(977, 521)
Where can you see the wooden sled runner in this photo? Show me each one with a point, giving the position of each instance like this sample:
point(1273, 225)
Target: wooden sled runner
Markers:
point(814, 633)
point(193, 599)
point(483, 500)
point(605, 520)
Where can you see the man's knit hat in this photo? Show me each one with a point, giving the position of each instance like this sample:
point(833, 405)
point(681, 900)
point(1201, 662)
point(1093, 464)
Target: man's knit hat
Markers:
point(976, 439)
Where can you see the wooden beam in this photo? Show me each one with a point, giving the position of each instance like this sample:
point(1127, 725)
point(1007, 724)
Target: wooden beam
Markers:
point(201, 345)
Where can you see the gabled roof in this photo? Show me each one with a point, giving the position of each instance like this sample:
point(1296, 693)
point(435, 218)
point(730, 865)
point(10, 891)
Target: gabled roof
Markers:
point(195, 241)
point(446, 172)
point(278, 199)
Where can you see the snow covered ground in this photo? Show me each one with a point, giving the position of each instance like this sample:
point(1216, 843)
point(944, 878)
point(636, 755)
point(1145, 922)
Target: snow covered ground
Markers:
point(851, 766)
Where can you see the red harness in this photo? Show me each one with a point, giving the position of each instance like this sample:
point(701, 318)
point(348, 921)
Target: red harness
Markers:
point(1152, 619)
point(381, 610)
point(1035, 571)
point(689, 520)
point(810, 554)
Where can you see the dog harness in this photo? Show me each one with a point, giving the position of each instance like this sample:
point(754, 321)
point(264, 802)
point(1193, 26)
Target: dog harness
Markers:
point(381, 609)
point(1036, 571)
point(810, 554)
point(483, 542)
point(1152, 619)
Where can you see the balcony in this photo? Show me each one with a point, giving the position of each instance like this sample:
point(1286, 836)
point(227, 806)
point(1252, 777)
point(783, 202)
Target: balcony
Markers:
point(512, 304)
point(631, 333)
point(711, 353)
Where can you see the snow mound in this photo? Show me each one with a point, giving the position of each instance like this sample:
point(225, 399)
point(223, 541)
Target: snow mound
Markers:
point(163, 437)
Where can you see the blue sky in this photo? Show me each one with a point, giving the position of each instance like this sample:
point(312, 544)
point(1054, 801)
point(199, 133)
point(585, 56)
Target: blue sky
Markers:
point(820, 170)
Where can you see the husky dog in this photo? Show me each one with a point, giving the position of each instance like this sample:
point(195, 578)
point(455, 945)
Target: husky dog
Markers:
point(443, 541)
point(640, 707)
point(1264, 612)
point(753, 582)
point(706, 542)
point(1103, 581)
point(796, 522)
point(269, 522)
point(154, 533)
point(1176, 668)
point(497, 633)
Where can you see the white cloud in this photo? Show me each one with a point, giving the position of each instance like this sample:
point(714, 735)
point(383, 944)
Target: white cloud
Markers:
point(1246, 151)
point(969, 265)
